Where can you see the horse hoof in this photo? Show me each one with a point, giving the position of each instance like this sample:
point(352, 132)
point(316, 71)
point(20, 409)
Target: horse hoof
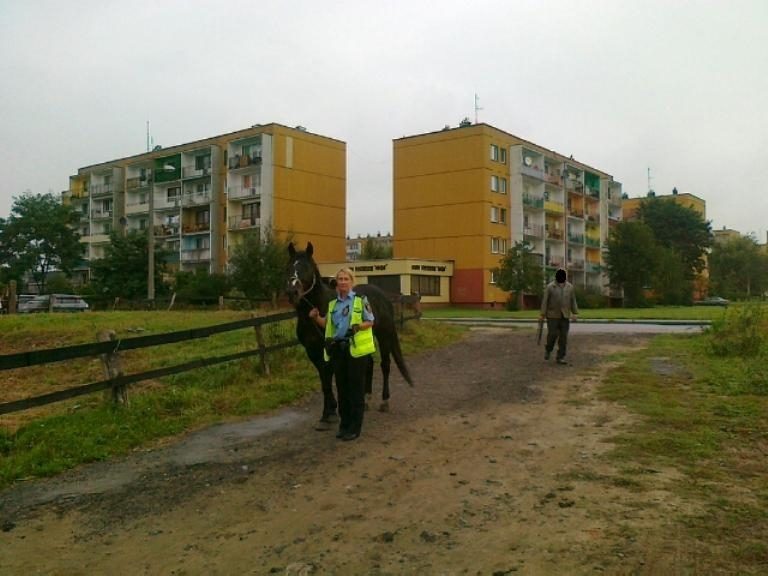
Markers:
point(384, 407)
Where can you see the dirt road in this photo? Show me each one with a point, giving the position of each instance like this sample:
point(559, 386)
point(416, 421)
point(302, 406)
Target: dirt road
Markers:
point(491, 465)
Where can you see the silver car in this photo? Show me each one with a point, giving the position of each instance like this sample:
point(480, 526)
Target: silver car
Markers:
point(61, 303)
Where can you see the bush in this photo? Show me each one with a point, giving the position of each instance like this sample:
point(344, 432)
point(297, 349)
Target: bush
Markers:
point(591, 298)
point(740, 333)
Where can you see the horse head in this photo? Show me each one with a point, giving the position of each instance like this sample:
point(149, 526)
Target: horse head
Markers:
point(302, 274)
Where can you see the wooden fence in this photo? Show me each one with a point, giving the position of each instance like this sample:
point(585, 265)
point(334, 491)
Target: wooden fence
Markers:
point(109, 349)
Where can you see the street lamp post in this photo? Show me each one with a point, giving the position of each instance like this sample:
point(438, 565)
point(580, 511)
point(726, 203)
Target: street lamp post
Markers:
point(151, 244)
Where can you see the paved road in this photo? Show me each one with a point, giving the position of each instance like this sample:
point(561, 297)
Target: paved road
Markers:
point(591, 326)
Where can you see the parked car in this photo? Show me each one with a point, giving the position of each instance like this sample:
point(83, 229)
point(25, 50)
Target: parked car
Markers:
point(713, 301)
point(61, 303)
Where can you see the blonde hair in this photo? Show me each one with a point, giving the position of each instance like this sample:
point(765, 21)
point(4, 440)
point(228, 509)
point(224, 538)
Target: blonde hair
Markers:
point(346, 271)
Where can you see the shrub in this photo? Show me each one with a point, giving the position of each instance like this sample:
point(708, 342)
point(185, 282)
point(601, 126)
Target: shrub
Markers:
point(740, 333)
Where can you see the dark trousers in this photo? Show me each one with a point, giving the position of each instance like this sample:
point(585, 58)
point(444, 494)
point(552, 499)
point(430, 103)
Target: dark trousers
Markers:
point(557, 331)
point(350, 382)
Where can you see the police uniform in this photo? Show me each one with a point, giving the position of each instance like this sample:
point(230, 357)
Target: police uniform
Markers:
point(349, 351)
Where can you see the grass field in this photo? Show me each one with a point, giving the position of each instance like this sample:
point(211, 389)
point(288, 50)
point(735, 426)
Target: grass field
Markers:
point(47, 440)
point(703, 403)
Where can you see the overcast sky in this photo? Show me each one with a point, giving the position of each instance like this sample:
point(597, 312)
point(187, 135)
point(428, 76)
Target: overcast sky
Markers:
point(680, 87)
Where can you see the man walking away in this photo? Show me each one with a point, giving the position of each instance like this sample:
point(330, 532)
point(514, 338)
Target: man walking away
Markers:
point(558, 306)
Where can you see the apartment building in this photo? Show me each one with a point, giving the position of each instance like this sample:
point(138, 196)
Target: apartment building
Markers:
point(630, 206)
point(468, 194)
point(199, 199)
point(355, 246)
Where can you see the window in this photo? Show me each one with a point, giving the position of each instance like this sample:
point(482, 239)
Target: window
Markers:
point(493, 277)
point(494, 153)
point(202, 162)
point(143, 224)
point(202, 217)
point(503, 155)
point(503, 185)
point(502, 245)
point(173, 193)
point(494, 183)
point(495, 245)
point(425, 285)
point(251, 211)
point(503, 216)
point(494, 214)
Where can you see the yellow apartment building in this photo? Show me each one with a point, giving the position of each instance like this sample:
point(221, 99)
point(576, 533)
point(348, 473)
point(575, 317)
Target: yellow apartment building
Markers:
point(199, 199)
point(468, 194)
point(629, 206)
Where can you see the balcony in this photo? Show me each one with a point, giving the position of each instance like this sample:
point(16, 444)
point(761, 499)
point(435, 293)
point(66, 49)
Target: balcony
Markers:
point(101, 190)
point(576, 264)
point(192, 172)
point(196, 255)
point(242, 192)
point(555, 234)
point(555, 262)
point(200, 228)
point(594, 268)
point(591, 217)
point(168, 203)
point(243, 222)
point(592, 192)
point(136, 183)
point(196, 199)
point(592, 242)
point(137, 207)
point(101, 214)
point(533, 231)
point(575, 238)
point(552, 179)
point(552, 206)
point(532, 172)
point(244, 161)
point(575, 213)
point(166, 231)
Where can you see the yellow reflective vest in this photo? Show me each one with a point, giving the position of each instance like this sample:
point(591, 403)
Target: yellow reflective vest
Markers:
point(362, 343)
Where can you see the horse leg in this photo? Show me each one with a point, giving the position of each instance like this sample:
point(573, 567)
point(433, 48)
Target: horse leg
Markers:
point(385, 363)
point(325, 371)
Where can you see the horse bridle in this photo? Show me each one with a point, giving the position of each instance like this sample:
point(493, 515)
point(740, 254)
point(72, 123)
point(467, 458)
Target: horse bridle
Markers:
point(295, 280)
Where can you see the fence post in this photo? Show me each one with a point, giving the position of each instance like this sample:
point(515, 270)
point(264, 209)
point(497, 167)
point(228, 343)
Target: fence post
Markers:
point(13, 301)
point(221, 302)
point(51, 302)
point(173, 301)
point(262, 348)
point(113, 369)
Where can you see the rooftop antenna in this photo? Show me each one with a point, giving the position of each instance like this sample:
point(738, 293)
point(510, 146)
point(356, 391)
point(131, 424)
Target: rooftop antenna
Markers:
point(477, 106)
point(148, 139)
point(650, 189)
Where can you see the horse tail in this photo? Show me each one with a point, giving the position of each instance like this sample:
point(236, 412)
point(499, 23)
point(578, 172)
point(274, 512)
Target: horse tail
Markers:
point(397, 354)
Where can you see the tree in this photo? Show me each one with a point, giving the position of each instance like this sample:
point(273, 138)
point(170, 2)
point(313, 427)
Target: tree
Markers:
point(124, 270)
point(738, 268)
point(258, 266)
point(39, 236)
point(678, 227)
point(520, 271)
point(632, 258)
point(201, 285)
point(374, 250)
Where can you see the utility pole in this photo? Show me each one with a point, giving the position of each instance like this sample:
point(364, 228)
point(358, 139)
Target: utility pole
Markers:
point(477, 106)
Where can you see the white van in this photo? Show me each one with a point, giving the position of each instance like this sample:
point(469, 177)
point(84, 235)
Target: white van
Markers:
point(61, 303)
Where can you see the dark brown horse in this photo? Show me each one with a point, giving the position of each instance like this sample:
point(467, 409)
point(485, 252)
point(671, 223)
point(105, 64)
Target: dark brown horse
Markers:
point(306, 290)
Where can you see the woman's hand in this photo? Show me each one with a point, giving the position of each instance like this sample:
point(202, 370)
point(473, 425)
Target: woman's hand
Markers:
point(314, 313)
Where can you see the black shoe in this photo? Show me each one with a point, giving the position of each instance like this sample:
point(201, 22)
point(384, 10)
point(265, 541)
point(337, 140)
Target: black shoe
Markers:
point(546, 354)
point(561, 361)
point(341, 433)
point(350, 436)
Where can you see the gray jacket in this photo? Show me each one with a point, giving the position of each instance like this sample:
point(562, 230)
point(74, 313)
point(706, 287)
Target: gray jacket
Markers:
point(559, 301)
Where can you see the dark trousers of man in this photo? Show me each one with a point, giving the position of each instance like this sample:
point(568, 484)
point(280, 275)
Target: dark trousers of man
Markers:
point(350, 382)
point(557, 331)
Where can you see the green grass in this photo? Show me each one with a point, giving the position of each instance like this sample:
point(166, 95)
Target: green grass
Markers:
point(46, 441)
point(656, 313)
point(695, 419)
